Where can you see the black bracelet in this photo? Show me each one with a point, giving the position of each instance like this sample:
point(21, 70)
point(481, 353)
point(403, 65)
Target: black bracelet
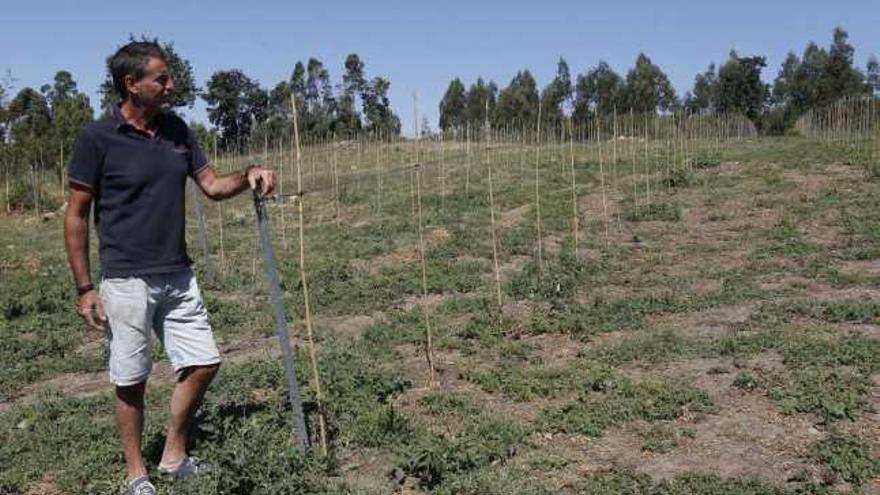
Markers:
point(82, 289)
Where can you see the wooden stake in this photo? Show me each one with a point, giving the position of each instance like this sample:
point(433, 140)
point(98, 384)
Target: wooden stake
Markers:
point(602, 181)
point(574, 205)
point(467, 164)
point(319, 396)
point(492, 221)
point(336, 184)
point(219, 214)
point(538, 195)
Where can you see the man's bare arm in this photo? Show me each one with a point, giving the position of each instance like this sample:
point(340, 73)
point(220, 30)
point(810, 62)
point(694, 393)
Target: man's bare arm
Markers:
point(224, 186)
point(76, 233)
point(76, 242)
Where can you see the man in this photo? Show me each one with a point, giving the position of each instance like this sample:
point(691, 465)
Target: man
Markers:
point(133, 165)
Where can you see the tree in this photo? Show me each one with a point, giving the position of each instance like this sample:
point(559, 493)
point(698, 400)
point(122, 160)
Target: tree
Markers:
point(348, 119)
point(5, 89)
point(598, 91)
point(840, 77)
point(205, 137)
point(480, 102)
point(740, 88)
point(518, 102)
point(452, 106)
point(556, 96)
point(704, 98)
point(298, 90)
point(70, 115)
point(320, 103)
point(29, 123)
point(377, 108)
point(28, 114)
point(235, 103)
point(820, 77)
point(69, 110)
point(353, 80)
point(185, 89)
point(873, 75)
point(785, 84)
point(647, 88)
point(62, 88)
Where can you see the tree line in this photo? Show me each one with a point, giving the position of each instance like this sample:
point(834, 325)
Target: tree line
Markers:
point(814, 79)
point(38, 126)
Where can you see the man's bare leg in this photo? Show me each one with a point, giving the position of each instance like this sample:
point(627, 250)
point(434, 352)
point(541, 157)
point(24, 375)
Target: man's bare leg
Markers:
point(130, 422)
point(185, 400)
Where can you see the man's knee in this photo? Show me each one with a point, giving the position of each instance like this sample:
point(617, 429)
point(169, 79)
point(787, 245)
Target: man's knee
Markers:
point(200, 372)
point(132, 395)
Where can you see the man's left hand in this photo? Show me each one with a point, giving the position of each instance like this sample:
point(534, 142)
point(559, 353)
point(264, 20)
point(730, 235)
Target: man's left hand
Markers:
point(263, 178)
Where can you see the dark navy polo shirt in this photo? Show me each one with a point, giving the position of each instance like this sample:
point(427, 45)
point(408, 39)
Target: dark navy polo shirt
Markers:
point(139, 186)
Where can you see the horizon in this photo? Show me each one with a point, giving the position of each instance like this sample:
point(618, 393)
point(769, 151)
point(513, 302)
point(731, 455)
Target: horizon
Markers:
point(420, 49)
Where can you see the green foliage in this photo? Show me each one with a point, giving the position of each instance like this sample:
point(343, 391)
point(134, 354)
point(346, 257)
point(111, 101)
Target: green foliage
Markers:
point(610, 399)
point(448, 404)
point(71, 435)
point(786, 240)
point(705, 161)
point(452, 106)
point(649, 347)
point(678, 178)
point(647, 88)
point(831, 393)
point(630, 483)
point(654, 212)
point(819, 77)
point(848, 457)
point(525, 383)
point(518, 102)
point(380, 118)
point(436, 459)
point(740, 89)
point(40, 333)
point(562, 275)
point(662, 438)
point(185, 88)
point(480, 103)
point(234, 101)
point(597, 93)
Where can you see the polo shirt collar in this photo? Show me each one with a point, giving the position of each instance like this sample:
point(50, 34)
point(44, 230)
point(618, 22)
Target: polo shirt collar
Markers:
point(119, 120)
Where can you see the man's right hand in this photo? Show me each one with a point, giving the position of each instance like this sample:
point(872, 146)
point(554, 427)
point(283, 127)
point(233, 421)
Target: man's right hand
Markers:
point(92, 310)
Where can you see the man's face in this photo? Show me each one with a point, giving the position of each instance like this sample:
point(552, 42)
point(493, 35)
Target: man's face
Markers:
point(155, 89)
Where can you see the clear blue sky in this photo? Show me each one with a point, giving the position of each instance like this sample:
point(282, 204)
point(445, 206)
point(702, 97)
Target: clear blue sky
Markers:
point(420, 46)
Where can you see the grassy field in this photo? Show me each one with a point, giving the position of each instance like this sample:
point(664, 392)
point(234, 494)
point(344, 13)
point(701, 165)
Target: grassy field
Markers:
point(717, 330)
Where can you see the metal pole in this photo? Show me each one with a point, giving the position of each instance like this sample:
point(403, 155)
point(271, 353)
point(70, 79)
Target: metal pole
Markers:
point(299, 423)
point(203, 234)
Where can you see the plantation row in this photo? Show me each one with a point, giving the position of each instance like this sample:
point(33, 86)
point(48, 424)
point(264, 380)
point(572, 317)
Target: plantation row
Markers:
point(604, 307)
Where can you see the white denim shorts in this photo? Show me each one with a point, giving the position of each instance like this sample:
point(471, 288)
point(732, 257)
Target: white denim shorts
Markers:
point(169, 304)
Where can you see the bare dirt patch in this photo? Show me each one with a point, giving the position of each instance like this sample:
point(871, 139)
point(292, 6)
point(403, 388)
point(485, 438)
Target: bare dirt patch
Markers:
point(400, 256)
point(366, 470)
point(556, 350)
point(448, 366)
point(710, 323)
point(45, 486)
point(861, 267)
point(346, 327)
point(747, 437)
point(808, 186)
point(513, 217)
point(822, 292)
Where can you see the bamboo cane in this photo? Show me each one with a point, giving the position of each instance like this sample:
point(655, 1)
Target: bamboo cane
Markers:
point(313, 358)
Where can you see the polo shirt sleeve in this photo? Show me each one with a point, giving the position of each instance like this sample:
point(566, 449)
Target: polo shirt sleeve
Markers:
point(198, 160)
point(85, 162)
